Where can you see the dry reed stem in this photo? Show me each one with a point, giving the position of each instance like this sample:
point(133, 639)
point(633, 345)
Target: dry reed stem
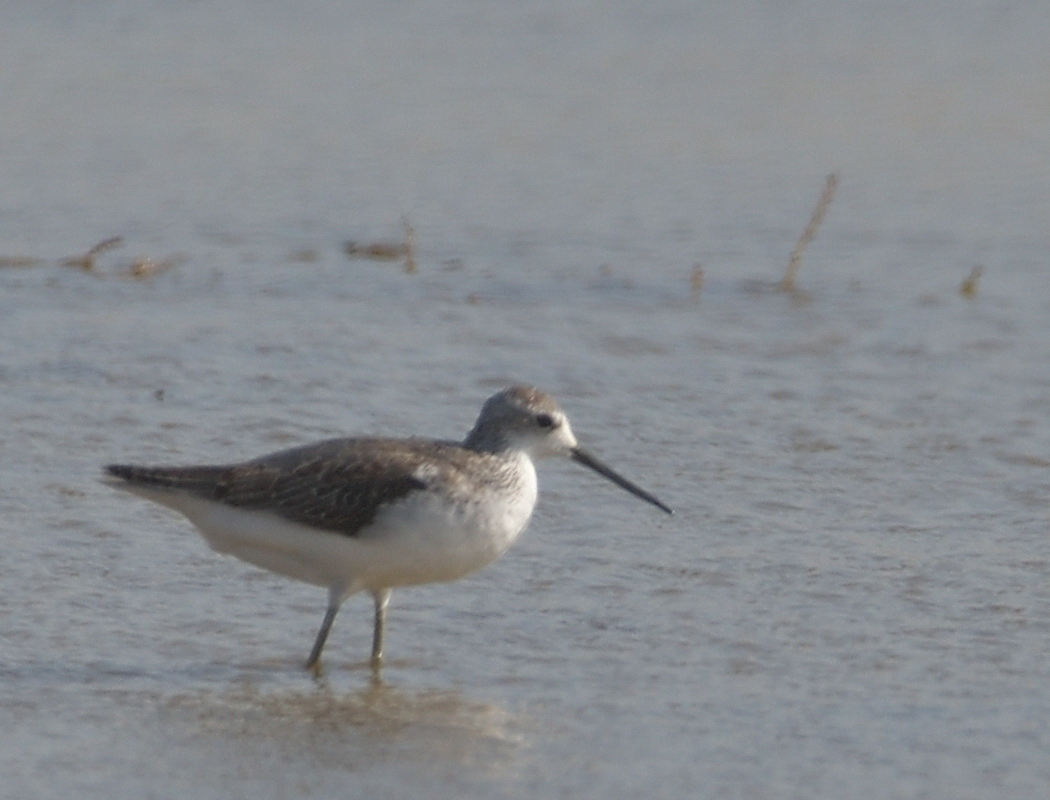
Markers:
point(410, 246)
point(19, 261)
point(787, 284)
point(404, 251)
point(147, 266)
point(86, 262)
point(969, 286)
point(696, 281)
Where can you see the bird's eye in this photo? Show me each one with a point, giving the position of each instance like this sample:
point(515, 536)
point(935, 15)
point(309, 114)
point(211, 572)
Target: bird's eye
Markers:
point(545, 421)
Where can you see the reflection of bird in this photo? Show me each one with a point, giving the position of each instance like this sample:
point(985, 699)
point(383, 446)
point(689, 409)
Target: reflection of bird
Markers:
point(354, 514)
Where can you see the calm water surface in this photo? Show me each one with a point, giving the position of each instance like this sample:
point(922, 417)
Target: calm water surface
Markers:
point(852, 599)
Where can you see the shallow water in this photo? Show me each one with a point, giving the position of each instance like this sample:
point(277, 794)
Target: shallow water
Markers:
point(852, 598)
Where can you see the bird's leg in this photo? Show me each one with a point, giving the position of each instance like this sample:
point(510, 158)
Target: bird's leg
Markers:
point(335, 599)
point(382, 599)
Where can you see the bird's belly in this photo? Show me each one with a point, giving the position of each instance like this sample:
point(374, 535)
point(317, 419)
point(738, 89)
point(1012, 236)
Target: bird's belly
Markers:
point(426, 538)
point(275, 544)
point(421, 539)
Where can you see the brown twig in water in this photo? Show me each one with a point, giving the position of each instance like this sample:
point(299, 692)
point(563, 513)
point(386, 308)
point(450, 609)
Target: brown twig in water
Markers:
point(969, 286)
point(387, 251)
point(379, 251)
point(19, 261)
point(86, 262)
point(304, 255)
point(696, 281)
point(410, 246)
point(147, 266)
point(787, 284)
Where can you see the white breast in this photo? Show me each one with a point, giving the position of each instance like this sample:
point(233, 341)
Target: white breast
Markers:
point(430, 536)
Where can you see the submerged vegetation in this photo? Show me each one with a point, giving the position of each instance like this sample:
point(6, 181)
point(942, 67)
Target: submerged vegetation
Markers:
point(404, 252)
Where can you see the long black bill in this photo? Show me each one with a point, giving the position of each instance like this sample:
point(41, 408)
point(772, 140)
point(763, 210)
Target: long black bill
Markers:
point(581, 456)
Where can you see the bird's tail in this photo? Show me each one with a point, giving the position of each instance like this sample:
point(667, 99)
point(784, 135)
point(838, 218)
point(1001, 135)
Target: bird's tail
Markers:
point(194, 480)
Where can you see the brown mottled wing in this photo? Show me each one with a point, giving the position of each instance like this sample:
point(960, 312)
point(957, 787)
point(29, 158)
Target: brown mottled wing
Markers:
point(336, 485)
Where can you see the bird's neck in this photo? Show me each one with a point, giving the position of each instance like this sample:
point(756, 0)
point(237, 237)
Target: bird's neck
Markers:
point(489, 439)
